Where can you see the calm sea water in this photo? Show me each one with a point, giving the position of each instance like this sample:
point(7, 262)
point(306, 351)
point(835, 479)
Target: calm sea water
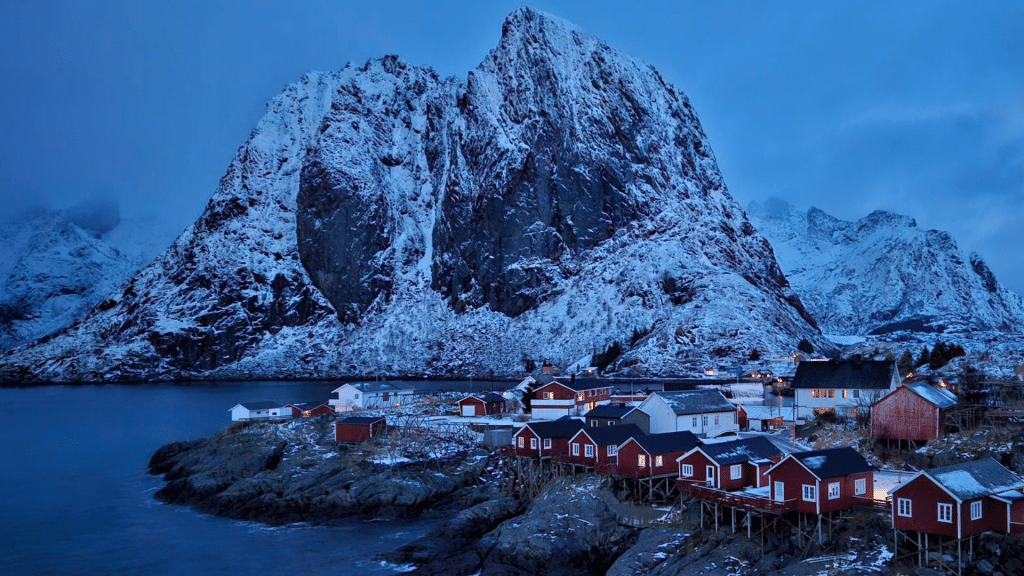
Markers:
point(75, 497)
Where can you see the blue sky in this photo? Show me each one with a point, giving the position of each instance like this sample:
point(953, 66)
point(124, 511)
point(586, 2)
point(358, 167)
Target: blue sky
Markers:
point(849, 106)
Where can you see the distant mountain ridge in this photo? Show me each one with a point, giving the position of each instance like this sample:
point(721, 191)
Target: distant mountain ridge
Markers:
point(561, 202)
point(883, 274)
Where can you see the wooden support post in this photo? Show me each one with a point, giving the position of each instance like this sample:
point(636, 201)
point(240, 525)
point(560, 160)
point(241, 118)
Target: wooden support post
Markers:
point(716, 517)
point(927, 558)
point(733, 513)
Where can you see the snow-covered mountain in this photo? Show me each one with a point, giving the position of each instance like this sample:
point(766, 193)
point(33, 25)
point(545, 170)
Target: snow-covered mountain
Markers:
point(883, 274)
point(57, 265)
point(381, 219)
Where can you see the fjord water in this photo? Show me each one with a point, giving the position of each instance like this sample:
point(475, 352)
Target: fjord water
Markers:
point(76, 498)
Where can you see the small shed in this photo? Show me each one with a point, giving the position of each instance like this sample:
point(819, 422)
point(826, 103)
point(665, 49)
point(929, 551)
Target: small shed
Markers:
point(655, 454)
point(599, 446)
point(544, 439)
point(485, 404)
point(960, 500)
point(915, 412)
point(765, 418)
point(607, 414)
point(310, 409)
point(732, 465)
point(259, 410)
point(359, 428)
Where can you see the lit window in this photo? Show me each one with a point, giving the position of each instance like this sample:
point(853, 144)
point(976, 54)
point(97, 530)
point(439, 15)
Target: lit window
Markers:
point(860, 486)
point(575, 449)
point(588, 450)
point(641, 460)
point(976, 510)
point(547, 443)
point(945, 512)
point(580, 396)
point(844, 392)
point(833, 490)
point(522, 443)
point(903, 507)
point(549, 395)
point(810, 493)
point(658, 462)
point(735, 471)
point(814, 393)
point(688, 470)
point(533, 443)
point(831, 393)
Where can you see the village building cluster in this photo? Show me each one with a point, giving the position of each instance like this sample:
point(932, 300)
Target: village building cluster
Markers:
point(727, 454)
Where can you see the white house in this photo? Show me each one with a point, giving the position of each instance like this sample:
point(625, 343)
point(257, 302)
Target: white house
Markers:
point(844, 386)
point(704, 412)
point(369, 395)
point(263, 410)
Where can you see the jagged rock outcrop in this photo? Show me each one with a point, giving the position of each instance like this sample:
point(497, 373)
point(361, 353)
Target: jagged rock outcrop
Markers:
point(883, 274)
point(560, 202)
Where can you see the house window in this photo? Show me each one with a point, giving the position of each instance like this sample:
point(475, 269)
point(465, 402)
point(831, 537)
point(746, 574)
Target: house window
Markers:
point(588, 450)
point(810, 493)
point(860, 486)
point(716, 419)
point(522, 442)
point(658, 462)
point(611, 449)
point(831, 393)
point(547, 443)
point(705, 419)
point(736, 471)
point(903, 507)
point(533, 443)
point(976, 510)
point(549, 395)
point(575, 449)
point(687, 470)
point(579, 397)
point(694, 421)
point(945, 512)
point(833, 490)
point(815, 393)
point(856, 393)
point(844, 392)
point(387, 396)
point(641, 460)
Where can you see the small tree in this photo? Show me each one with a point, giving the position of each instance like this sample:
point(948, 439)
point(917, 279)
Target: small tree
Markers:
point(755, 355)
point(805, 346)
point(923, 357)
point(905, 363)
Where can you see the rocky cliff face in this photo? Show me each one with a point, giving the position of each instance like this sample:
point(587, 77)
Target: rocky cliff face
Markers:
point(382, 219)
point(883, 274)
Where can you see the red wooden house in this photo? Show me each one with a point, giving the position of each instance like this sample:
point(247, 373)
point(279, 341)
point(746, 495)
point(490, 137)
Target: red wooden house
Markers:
point(358, 428)
point(599, 446)
point(822, 481)
point(960, 500)
point(544, 439)
point(486, 404)
point(732, 465)
point(310, 409)
point(559, 398)
point(914, 412)
point(655, 454)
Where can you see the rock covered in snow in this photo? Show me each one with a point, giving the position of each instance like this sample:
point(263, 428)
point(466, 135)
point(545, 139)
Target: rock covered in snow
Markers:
point(381, 219)
point(883, 274)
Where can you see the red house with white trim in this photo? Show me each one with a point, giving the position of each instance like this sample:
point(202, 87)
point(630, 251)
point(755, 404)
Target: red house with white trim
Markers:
point(599, 446)
point(915, 412)
point(822, 481)
point(960, 500)
point(545, 439)
point(732, 465)
point(486, 404)
point(359, 428)
point(560, 398)
point(654, 455)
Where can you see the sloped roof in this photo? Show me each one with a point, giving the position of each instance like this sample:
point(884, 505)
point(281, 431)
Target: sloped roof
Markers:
point(833, 462)
point(696, 401)
point(260, 405)
point(851, 374)
point(982, 477)
point(375, 387)
point(737, 451)
point(561, 428)
point(609, 411)
point(309, 405)
point(361, 420)
point(938, 396)
point(768, 412)
point(668, 442)
point(486, 397)
point(616, 435)
point(580, 384)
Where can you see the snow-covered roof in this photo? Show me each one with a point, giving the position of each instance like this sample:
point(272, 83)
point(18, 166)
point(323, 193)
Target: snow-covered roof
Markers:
point(696, 401)
point(831, 462)
point(736, 451)
point(984, 477)
point(374, 387)
point(768, 412)
point(260, 405)
point(939, 396)
point(308, 405)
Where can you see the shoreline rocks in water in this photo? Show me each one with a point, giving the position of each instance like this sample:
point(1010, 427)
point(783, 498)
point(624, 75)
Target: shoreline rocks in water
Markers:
point(286, 472)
